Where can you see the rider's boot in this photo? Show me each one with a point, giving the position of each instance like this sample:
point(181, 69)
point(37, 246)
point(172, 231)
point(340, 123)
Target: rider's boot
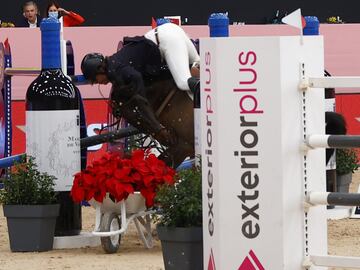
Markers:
point(194, 85)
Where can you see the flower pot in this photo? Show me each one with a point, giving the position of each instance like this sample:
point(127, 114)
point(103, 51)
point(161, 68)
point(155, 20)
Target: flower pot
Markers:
point(343, 182)
point(182, 247)
point(31, 227)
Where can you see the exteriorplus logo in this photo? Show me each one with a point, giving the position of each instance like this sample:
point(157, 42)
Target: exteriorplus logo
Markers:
point(211, 264)
point(251, 262)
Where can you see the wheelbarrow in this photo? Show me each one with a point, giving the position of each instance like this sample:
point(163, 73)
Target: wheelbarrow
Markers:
point(112, 219)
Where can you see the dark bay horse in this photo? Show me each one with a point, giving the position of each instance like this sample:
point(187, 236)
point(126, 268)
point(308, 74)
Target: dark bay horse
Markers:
point(174, 110)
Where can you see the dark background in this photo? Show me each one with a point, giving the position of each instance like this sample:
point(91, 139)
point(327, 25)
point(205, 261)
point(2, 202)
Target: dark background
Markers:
point(139, 13)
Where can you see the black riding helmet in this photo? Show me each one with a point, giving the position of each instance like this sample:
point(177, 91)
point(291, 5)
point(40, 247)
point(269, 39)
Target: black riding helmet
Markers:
point(91, 64)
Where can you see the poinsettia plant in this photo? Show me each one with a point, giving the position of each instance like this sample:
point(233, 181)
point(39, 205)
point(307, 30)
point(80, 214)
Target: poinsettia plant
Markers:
point(119, 177)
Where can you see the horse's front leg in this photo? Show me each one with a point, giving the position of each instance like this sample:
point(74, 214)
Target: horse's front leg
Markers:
point(175, 155)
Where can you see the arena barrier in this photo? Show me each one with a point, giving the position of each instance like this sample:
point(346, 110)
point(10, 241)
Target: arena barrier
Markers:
point(263, 157)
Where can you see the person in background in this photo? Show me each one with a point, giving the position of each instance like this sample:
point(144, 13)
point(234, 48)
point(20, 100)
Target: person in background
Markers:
point(31, 15)
point(70, 18)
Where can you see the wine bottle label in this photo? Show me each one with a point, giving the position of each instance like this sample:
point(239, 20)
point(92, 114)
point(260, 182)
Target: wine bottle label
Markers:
point(53, 139)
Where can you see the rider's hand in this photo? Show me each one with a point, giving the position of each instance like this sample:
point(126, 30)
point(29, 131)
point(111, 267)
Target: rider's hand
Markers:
point(166, 137)
point(63, 11)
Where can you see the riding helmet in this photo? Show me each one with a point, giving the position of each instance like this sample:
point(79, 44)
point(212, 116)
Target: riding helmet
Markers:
point(90, 65)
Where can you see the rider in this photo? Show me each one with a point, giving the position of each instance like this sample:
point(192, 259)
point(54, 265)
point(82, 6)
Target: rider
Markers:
point(143, 56)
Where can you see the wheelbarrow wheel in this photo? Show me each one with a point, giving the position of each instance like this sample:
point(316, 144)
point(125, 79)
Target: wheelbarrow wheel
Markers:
point(110, 222)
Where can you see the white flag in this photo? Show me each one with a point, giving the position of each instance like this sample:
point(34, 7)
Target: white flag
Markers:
point(295, 19)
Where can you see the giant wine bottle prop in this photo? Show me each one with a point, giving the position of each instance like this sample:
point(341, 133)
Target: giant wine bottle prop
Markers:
point(53, 126)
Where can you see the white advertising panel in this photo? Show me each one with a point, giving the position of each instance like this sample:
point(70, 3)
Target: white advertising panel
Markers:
point(251, 134)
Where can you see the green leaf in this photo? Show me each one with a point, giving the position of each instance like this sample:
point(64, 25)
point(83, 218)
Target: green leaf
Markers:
point(181, 204)
point(26, 185)
point(346, 161)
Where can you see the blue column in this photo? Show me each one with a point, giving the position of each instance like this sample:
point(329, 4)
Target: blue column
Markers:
point(219, 25)
point(312, 26)
point(50, 43)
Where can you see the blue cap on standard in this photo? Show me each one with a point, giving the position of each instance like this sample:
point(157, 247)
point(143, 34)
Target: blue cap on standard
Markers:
point(161, 21)
point(50, 43)
point(219, 25)
point(312, 26)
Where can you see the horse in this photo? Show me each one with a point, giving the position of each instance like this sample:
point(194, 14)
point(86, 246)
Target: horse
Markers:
point(174, 110)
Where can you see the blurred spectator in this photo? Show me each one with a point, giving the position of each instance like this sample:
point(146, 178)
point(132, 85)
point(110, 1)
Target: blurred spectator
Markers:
point(70, 18)
point(6, 24)
point(31, 15)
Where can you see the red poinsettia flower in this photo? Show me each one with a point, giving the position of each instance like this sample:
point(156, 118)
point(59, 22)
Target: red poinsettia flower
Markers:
point(120, 177)
point(149, 195)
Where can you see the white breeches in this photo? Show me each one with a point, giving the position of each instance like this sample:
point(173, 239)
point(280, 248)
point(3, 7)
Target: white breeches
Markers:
point(177, 50)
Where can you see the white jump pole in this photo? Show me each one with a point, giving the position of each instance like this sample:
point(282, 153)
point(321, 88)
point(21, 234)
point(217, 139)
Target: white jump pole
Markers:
point(333, 198)
point(333, 141)
point(334, 81)
point(254, 123)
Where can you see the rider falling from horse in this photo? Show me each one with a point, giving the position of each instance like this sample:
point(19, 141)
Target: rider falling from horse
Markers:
point(143, 57)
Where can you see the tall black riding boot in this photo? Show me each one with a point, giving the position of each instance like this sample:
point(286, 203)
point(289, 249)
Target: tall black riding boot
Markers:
point(194, 84)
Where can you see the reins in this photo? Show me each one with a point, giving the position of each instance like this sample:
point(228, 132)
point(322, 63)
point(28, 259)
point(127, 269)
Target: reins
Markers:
point(165, 102)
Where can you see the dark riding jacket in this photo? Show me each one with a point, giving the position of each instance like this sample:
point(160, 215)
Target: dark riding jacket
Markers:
point(127, 69)
point(138, 60)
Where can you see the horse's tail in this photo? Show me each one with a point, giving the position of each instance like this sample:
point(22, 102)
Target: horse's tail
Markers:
point(335, 125)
